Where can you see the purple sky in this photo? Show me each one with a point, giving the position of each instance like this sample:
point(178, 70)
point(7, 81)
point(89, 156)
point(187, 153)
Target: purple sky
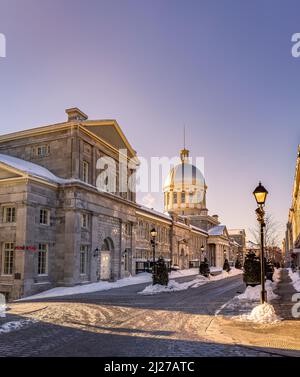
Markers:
point(223, 68)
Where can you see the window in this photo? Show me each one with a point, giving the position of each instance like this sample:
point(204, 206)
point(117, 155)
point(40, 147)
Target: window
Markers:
point(191, 197)
point(198, 195)
point(126, 260)
point(85, 221)
point(44, 217)
point(166, 198)
point(43, 259)
point(83, 259)
point(9, 214)
point(85, 172)
point(42, 150)
point(182, 197)
point(128, 229)
point(8, 258)
point(174, 197)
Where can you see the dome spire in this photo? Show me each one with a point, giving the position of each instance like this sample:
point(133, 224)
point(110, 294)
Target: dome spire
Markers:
point(184, 153)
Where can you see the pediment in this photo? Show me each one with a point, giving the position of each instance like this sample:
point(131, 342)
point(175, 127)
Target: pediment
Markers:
point(9, 173)
point(111, 133)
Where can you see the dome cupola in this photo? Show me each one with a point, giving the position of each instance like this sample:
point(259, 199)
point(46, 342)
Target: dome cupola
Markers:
point(185, 188)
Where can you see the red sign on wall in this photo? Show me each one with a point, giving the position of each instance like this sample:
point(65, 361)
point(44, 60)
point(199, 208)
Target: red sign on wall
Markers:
point(28, 248)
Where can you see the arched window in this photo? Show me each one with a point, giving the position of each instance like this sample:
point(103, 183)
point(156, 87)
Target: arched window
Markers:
point(105, 246)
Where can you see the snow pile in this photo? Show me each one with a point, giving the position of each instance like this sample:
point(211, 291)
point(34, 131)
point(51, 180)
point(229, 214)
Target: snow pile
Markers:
point(263, 313)
point(224, 274)
point(14, 325)
point(174, 286)
point(144, 277)
point(181, 273)
point(253, 293)
point(215, 269)
point(295, 277)
point(2, 305)
point(141, 278)
point(2, 310)
point(277, 275)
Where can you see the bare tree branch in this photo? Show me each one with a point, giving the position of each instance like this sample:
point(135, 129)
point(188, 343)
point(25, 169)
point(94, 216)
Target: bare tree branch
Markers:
point(272, 232)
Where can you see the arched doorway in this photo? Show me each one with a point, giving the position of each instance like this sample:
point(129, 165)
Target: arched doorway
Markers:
point(105, 259)
point(182, 259)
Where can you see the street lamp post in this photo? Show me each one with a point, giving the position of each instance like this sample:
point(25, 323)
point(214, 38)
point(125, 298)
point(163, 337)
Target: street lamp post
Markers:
point(260, 194)
point(202, 252)
point(153, 233)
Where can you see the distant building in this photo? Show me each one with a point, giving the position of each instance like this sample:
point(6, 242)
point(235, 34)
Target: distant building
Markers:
point(252, 246)
point(292, 235)
point(239, 237)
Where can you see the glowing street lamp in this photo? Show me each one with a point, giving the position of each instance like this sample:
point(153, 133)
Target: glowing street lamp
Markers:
point(260, 194)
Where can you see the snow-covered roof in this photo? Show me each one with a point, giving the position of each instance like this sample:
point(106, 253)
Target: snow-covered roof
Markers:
point(30, 168)
point(217, 230)
point(235, 243)
point(199, 229)
point(252, 245)
point(154, 212)
point(235, 231)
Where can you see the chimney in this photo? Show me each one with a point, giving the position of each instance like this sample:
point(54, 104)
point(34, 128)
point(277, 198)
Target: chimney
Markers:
point(216, 217)
point(75, 114)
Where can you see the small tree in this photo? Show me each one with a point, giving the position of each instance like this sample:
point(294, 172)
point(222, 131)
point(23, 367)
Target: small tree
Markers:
point(238, 264)
point(251, 269)
point(204, 268)
point(226, 266)
point(160, 275)
point(269, 269)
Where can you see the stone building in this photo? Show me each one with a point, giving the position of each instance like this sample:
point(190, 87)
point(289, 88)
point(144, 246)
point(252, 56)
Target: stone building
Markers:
point(292, 234)
point(238, 237)
point(60, 225)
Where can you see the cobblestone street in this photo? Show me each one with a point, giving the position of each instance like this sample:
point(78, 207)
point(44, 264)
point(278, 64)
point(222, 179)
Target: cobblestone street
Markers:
point(120, 322)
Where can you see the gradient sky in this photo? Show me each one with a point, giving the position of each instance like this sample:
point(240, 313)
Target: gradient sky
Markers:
point(223, 68)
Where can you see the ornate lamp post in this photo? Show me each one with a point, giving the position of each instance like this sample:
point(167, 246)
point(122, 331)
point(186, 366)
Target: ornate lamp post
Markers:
point(260, 194)
point(202, 252)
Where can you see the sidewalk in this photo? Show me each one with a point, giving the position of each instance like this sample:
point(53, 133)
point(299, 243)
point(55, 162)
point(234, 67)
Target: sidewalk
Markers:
point(285, 291)
point(280, 338)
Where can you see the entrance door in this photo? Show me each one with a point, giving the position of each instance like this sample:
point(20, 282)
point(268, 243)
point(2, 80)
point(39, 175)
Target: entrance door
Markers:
point(105, 268)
